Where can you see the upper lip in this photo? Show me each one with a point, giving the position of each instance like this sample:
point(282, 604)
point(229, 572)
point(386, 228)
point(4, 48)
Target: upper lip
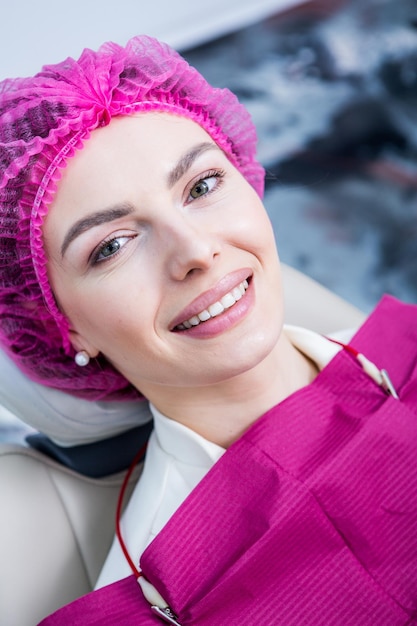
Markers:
point(225, 284)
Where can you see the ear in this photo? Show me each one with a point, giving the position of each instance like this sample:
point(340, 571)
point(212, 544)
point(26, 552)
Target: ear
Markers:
point(80, 343)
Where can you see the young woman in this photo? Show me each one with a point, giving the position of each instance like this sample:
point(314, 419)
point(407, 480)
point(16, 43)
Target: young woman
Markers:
point(280, 481)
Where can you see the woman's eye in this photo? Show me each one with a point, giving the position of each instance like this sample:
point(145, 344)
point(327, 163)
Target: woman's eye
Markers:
point(205, 185)
point(109, 248)
point(200, 189)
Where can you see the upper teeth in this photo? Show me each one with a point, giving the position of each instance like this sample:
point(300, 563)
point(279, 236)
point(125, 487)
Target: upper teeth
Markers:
point(228, 300)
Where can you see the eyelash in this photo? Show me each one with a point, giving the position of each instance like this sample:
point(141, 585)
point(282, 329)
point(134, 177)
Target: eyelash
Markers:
point(94, 258)
point(218, 174)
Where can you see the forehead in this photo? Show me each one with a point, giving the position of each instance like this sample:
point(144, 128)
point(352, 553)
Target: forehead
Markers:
point(143, 133)
point(129, 145)
point(143, 146)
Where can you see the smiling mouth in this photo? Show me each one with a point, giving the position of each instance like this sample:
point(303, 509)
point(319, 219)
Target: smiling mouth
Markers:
point(217, 308)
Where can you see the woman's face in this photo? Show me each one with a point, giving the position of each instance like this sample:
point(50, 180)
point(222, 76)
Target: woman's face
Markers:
point(162, 256)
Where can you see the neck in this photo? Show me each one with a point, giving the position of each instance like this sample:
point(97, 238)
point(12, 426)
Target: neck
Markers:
point(222, 412)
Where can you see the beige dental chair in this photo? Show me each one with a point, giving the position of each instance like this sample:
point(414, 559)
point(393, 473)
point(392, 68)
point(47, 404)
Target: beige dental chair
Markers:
point(56, 526)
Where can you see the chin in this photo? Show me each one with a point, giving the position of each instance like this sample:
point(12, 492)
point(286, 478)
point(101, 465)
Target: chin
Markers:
point(255, 352)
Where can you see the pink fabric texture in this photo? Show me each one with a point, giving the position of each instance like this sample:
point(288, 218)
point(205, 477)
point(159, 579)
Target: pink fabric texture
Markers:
point(44, 120)
point(310, 518)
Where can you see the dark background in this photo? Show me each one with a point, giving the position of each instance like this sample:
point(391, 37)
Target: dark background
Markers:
point(332, 88)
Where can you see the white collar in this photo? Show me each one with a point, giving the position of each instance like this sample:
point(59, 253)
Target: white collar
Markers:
point(314, 346)
point(184, 444)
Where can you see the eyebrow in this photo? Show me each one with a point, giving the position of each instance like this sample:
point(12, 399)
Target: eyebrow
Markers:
point(187, 160)
point(118, 211)
point(95, 219)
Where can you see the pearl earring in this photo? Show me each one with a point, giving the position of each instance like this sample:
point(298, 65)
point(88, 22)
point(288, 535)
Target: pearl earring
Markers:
point(82, 358)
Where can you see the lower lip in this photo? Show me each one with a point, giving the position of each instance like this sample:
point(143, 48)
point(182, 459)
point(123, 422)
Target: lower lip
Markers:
point(226, 320)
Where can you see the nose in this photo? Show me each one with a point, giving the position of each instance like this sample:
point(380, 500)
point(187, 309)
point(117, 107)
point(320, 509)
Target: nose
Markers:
point(190, 247)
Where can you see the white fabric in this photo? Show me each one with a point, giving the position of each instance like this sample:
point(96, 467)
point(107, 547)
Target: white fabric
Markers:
point(66, 419)
point(177, 459)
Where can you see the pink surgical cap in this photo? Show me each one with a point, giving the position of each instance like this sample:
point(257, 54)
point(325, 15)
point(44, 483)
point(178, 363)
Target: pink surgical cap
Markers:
point(44, 120)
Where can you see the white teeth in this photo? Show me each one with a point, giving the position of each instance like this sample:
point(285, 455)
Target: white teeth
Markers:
point(216, 309)
point(228, 300)
point(204, 316)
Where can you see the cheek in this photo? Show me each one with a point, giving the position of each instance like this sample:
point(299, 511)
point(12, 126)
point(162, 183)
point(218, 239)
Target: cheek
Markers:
point(252, 218)
point(115, 312)
point(88, 308)
point(258, 232)
point(99, 314)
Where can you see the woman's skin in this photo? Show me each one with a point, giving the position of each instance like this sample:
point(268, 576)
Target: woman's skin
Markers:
point(151, 225)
